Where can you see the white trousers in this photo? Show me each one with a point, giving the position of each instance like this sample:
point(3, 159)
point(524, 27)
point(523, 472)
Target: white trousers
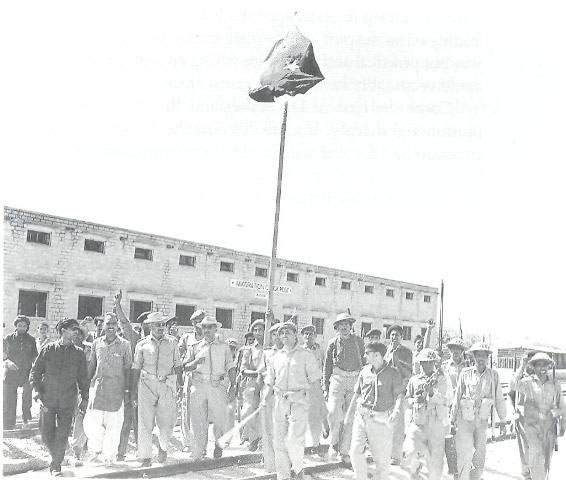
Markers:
point(103, 431)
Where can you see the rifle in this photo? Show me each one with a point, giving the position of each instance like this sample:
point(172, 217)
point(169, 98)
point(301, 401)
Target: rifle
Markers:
point(492, 386)
point(556, 420)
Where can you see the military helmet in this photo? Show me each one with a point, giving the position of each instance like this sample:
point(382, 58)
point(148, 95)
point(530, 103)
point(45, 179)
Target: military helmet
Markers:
point(427, 355)
point(480, 347)
point(541, 357)
point(456, 342)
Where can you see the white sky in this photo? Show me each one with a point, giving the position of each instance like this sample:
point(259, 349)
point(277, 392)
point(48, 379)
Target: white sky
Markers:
point(433, 149)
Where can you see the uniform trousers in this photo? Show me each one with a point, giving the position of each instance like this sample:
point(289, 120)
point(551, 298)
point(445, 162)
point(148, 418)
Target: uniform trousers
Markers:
point(372, 429)
point(10, 397)
point(425, 441)
point(471, 442)
point(290, 419)
point(250, 401)
point(156, 405)
point(523, 447)
point(399, 432)
point(185, 410)
point(130, 419)
point(266, 419)
point(103, 429)
point(209, 403)
point(55, 426)
point(79, 438)
point(317, 412)
point(340, 393)
point(540, 438)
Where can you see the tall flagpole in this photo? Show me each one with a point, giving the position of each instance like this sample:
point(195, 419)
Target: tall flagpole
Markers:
point(273, 262)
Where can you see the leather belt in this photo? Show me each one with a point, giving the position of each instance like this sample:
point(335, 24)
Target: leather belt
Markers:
point(352, 373)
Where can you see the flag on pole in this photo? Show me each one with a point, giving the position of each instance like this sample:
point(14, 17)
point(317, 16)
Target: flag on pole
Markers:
point(289, 68)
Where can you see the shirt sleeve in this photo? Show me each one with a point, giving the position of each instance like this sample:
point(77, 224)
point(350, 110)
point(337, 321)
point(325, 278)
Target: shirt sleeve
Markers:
point(328, 364)
point(410, 388)
point(33, 349)
point(138, 357)
point(228, 360)
point(500, 405)
point(245, 361)
point(398, 387)
point(37, 371)
point(358, 387)
point(92, 360)
point(270, 376)
point(176, 355)
point(83, 380)
point(312, 370)
point(127, 355)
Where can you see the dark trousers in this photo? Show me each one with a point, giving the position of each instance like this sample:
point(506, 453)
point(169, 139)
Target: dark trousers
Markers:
point(130, 418)
point(10, 398)
point(55, 426)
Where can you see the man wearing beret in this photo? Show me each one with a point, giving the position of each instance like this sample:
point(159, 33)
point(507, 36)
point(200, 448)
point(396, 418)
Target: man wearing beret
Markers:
point(250, 386)
point(154, 385)
point(317, 408)
point(400, 357)
point(213, 382)
point(20, 350)
point(540, 405)
point(291, 373)
point(57, 372)
point(343, 361)
point(477, 392)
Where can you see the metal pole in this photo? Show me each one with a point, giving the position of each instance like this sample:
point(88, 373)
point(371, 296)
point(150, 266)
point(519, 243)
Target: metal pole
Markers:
point(273, 262)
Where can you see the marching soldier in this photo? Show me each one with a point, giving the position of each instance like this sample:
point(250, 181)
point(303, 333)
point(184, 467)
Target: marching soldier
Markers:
point(292, 372)
point(429, 395)
point(374, 409)
point(478, 390)
point(249, 383)
point(154, 384)
point(317, 409)
point(540, 404)
point(401, 358)
point(342, 364)
point(213, 381)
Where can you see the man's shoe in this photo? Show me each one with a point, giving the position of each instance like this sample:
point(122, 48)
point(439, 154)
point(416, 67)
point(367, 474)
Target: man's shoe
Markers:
point(120, 458)
point(333, 452)
point(395, 461)
point(252, 447)
point(56, 473)
point(217, 452)
point(162, 455)
point(146, 462)
point(345, 459)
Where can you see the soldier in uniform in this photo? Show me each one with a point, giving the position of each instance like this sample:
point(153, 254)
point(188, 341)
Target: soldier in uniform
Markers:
point(374, 409)
point(342, 364)
point(317, 409)
point(429, 395)
point(250, 383)
point(540, 404)
point(154, 385)
point(213, 383)
point(401, 358)
point(477, 391)
point(291, 373)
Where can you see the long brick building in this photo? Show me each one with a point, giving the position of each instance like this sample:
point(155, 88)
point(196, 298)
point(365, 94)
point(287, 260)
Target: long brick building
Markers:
point(59, 267)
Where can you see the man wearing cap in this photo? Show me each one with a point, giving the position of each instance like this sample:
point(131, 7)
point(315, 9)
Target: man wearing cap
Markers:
point(250, 383)
point(477, 391)
point(58, 370)
point(420, 342)
point(20, 350)
point(187, 340)
point(154, 385)
point(373, 335)
point(317, 408)
point(109, 368)
point(290, 375)
point(213, 382)
point(429, 396)
point(400, 357)
point(374, 409)
point(539, 405)
point(342, 364)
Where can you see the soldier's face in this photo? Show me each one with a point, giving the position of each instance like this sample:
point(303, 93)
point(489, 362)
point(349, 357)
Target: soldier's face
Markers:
point(309, 337)
point(375, 359)
point(287, 337)
point(258, 333)
point(110, 326)
point(343, 328)
point(43, 329)
point(21, 327)
point(395, 337)
point(157, 330)
point(541, 368)
point(456, 353)
point(209, 332)
point(481, 359)
point(428, 367)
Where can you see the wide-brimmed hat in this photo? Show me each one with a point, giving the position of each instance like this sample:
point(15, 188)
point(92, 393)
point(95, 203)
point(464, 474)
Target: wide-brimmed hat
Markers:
point(480, 347)
point(344, 317)
point(155, 317)
point(257, 323)
point(275, 327)
point(197, 316)
point(208, 320)
point(427, 355)
point(289, 325)
point(171, 320)
point(398, 328)
point(456, 343)
point(541, 357)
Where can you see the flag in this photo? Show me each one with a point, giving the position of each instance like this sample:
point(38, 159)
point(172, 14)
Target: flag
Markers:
point(289, 68)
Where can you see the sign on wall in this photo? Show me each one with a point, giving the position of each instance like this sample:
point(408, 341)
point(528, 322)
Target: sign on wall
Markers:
point(260, 288)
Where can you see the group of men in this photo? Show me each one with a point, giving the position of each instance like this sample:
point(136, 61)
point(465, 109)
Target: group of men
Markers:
point(356, 393)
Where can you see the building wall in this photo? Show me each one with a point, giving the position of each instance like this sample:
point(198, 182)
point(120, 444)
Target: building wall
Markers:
point(65, 270)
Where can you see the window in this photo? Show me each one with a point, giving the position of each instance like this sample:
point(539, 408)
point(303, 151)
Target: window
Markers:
point(409, 295)
point(320, 281)
point(224, 316)
point(226, 267)
point(256, 316)
point(183, 314)
point(187, 260)
point(94, 246)
point(389, 292)
point(32, 304)
point(143, 253)
point(39, 237)
point(89, 306)
point(368, 289)
point(137, 307)
point(261, 272)
point(346, 285)
point(366, 327)
point(318, 323)
point(292, 277)
point(427, 299)
point(287, 318)
point(407, 331)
